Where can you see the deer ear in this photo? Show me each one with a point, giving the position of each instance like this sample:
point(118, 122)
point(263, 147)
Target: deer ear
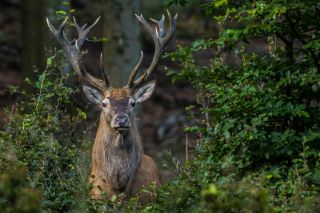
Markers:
point(92, 94)
point(144, 92)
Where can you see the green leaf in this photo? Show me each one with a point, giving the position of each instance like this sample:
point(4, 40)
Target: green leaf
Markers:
point(61, 12)
point(211, 190)
point(219, 3)
point(49, 61)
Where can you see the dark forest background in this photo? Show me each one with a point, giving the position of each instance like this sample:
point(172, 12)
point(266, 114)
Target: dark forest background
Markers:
point(233, 124)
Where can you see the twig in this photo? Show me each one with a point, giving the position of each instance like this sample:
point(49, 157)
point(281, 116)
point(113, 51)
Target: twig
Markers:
point(313, 55)
point(41, 87)
point(187, 147)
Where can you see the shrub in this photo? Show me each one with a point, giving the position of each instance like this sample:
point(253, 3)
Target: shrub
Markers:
point(45, 135)
point(14, 195)
point(259, 149)
point(259, 140)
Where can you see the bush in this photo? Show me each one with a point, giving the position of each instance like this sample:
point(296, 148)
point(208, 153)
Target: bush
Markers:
point(45, 136)
point(259, 149)
point(14, 195)
point(259, 140)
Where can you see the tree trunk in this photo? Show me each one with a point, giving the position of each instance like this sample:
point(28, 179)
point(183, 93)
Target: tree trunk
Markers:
point(34, 36)
point(121, 27)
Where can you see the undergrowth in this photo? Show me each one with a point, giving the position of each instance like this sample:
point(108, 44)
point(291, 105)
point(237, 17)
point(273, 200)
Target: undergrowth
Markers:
point(259, 140)
point(258, 146)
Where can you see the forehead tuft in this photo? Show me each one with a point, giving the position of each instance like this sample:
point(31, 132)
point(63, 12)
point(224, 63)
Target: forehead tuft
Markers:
point(118, 93)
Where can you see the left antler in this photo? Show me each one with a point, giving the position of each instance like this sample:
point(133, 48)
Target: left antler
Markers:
point(160, 39)
point(73, 52)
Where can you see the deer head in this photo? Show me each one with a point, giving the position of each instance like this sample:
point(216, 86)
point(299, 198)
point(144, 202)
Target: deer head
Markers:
point(117, 104)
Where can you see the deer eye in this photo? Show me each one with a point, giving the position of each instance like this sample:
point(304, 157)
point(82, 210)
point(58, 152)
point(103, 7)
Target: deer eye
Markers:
point(105, 102)
point(132, 103)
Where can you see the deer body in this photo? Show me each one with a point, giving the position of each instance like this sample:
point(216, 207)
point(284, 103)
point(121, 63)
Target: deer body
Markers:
point(118, 162)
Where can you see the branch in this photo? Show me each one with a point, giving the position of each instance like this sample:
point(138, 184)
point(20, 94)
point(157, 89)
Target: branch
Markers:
point(313, 54)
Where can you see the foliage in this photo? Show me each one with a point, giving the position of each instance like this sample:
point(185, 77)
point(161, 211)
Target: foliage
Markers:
point(14, 195)
point(40, 139)
point(259, 146)
point(45, 137)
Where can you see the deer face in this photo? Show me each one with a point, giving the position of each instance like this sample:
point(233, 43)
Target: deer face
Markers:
point(118, 104)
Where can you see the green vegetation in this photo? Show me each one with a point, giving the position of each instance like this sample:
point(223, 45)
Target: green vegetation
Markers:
point(259, 140)
point(44, 151)
point(259, 150)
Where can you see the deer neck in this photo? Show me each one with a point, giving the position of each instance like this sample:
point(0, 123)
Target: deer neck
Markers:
point(119, 154)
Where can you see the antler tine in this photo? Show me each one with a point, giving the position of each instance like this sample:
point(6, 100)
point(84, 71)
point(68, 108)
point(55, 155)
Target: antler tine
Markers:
point(59, 33)
point(135, 71)
point(160, 39)
point(73, 52)
point(171, 30)
point(105, 75)
point(160, 25)
point(165, 37)
point(83, 31)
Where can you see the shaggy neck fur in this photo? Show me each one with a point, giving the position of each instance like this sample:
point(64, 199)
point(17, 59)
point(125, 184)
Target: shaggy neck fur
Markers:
point(118, 155)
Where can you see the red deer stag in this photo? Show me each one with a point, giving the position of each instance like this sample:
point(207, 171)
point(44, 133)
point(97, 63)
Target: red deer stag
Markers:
point(118, 162)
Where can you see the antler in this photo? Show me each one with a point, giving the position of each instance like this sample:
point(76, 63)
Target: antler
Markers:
point(73, 52)
point(160, 39)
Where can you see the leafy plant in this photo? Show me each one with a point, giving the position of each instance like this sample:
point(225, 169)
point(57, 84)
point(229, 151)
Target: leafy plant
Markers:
point(46, 137)
point(259, 149)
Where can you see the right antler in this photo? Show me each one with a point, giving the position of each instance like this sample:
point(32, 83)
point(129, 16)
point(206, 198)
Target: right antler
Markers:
point(160, 39)
point(73, 52)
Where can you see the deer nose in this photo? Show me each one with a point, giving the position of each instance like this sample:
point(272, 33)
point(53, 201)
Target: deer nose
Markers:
point(121, 121)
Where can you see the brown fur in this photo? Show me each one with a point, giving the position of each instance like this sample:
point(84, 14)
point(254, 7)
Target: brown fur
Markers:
point(124, 168)
point(118, 93)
